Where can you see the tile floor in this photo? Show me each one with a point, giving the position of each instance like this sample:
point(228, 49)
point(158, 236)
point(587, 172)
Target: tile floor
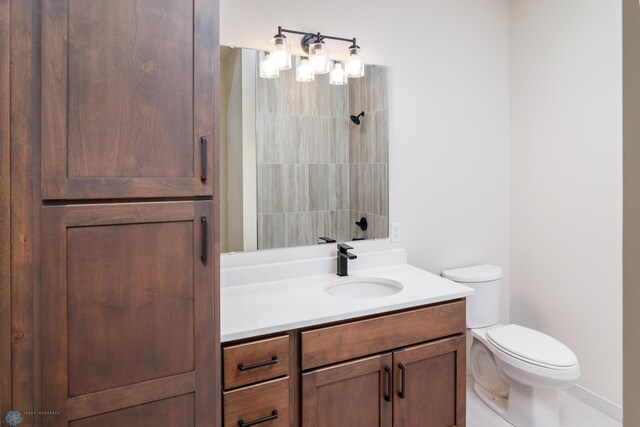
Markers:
point(573, 413)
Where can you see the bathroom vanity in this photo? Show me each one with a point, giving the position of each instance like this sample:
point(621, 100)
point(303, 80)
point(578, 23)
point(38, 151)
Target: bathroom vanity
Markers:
point(296, 354)
point(382, 346)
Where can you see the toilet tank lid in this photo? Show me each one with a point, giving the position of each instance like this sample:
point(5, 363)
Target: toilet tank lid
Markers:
point(476, 273)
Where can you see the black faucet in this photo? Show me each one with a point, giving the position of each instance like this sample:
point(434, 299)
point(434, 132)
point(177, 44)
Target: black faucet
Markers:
point(342, 259)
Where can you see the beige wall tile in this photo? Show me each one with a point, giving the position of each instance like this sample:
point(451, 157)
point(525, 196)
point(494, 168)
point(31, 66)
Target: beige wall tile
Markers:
point(271, 231)
point(328, 187)
point(297, 229)
point(269, 138)
point(295, 186)
point(270, 194)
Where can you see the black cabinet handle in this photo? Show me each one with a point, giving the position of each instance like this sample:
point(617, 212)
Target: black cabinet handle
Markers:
point(273, 416)
point(203, 146)
point(387, 396)
point(402, 393)
point(273, 361)
point(203, 255)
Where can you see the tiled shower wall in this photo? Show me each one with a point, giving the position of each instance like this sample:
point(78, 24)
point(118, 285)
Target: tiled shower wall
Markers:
point(303, 155)
point(369, 154)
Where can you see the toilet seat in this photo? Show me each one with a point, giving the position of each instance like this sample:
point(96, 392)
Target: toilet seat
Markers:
point(531, 346)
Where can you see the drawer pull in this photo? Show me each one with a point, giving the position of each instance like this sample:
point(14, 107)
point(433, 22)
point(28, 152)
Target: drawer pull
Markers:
point(273, 416)
point(203, 146)
point(203, 253)
point(387, 396)
point(244, 367)
point(402, 393)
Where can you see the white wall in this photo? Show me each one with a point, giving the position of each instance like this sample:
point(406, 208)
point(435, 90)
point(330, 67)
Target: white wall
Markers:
point(449, 106)
point(566, 181)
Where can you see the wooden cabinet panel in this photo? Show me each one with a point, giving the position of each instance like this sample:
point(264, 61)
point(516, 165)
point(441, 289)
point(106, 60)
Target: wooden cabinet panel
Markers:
point(333, 344)
point(255, 361)
point(127, 95)
point(432, 386)
point(350, 394)
point(128, 318)
point(177, 411)
point(130, 304)
point(268, 401)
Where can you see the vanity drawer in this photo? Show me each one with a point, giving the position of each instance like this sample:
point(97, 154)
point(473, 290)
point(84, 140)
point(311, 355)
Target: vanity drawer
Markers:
point(255, 361)
point(266, 401)
point(338, 343)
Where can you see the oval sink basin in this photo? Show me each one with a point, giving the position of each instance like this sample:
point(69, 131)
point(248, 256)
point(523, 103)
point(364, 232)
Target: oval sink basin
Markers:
point(363, 287)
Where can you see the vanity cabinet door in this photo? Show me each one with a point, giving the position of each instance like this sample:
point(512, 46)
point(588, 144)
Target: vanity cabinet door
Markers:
point(129, 314)
point(349, 394)
point(430, 384)
point(128, 98)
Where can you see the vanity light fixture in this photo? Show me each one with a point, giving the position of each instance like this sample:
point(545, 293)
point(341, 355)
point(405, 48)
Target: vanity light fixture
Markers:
point(316, 60)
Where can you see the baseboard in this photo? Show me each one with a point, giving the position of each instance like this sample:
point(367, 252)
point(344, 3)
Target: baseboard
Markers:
point(598, 402)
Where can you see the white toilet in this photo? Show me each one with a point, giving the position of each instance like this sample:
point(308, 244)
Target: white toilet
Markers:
point(516, 371)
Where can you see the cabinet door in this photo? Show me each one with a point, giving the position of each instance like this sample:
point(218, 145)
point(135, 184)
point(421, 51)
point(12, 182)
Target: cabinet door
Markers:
point(430, 384)
point(128, 315)
point(127, 98)
point(351, 394)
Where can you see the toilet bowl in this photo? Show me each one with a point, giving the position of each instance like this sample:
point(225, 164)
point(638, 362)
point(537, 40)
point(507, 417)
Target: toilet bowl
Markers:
point(516, 371)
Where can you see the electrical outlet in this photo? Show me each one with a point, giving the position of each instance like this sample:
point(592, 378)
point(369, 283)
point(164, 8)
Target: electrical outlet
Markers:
point(395, 232)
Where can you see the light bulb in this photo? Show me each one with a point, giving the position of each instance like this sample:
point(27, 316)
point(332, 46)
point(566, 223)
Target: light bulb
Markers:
point(338, 75)
point(355, 66)
point(304, 70)
point(318, 58)
point(268, 68)
point(281, 52)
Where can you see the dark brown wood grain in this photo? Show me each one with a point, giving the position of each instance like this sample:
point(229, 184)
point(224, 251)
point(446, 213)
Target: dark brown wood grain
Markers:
point(333, 344)
point(348, 394)
point(295, 376)
point(128, 301)
point(216, 161)
point(254, 352)
point(130, 89)
point(5, 210)
point(257, 401)
point(173, 412)
point(91, 404)
point(25, 213)
point(127, 95)
point(435, 384)
point(207, 311)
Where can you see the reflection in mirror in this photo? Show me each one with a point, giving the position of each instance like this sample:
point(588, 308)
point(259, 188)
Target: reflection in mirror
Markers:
point(302, 163)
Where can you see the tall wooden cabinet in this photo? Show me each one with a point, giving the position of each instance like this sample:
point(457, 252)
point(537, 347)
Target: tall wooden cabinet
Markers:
point(113, 208)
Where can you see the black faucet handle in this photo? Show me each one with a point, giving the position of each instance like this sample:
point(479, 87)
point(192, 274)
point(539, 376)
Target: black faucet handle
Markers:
point(343, 248)
point(327, 239)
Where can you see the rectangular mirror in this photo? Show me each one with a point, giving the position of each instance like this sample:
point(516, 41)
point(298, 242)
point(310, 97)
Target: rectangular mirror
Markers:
point(300, 164)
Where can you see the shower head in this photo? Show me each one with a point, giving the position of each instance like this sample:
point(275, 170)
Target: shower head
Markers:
point(356, 119)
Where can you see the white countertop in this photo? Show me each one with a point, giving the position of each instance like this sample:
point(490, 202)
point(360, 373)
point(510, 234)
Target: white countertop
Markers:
point(263, 308)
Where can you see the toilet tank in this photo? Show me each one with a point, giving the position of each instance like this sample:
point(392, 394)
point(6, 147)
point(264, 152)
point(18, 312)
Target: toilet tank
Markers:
point(483, 307)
